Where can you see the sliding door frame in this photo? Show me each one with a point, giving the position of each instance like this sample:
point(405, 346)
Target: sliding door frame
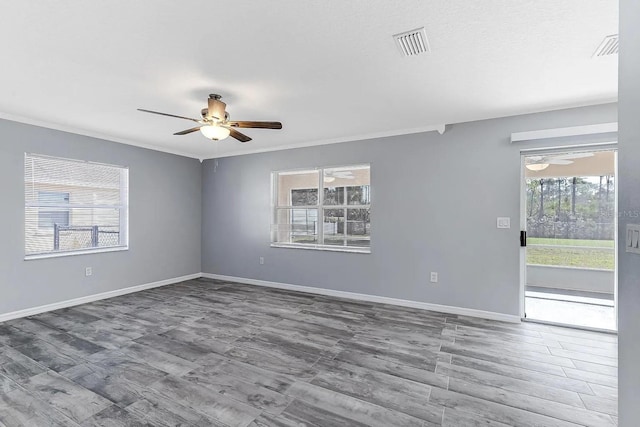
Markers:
point(608, 146)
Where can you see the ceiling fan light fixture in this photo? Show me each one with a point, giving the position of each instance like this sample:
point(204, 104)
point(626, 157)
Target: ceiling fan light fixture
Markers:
point(216, 133)
point(537, 167)
point(215, 124)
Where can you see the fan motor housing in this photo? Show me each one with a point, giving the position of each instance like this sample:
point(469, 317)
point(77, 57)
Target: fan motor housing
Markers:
point(216, 108)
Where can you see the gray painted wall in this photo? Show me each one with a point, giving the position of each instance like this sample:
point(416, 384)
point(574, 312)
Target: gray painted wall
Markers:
point(435, 202)
point(164, 220)
point(629, 202)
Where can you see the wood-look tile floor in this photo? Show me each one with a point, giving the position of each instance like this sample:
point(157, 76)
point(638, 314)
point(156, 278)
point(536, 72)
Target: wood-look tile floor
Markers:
point(210, 353)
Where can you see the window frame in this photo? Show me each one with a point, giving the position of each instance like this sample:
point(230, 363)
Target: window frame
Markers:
point(320, 207)
point(123, 212)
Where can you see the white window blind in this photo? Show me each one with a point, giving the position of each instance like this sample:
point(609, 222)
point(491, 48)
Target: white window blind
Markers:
point(73, 206)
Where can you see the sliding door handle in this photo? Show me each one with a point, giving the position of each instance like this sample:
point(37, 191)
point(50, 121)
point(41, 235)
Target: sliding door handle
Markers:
point(523, 238)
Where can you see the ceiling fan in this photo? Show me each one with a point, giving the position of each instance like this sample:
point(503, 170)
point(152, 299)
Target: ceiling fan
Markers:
point(215, 123)
point(538, 163)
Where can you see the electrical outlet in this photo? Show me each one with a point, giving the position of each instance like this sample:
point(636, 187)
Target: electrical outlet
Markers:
point(88, 271)
point(261, 260)
point(434, 277)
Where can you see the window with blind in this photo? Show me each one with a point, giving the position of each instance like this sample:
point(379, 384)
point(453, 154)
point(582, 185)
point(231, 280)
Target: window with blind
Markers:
point(324, 208)
point(73, 206)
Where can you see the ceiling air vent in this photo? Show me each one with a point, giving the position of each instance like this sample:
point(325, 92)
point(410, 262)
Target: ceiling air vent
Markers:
point(412, 42)
point(609, 46)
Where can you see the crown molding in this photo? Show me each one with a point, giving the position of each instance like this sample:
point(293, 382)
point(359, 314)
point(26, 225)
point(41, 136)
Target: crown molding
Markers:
point(84, 132)
point(432, 128)
point(91, 134)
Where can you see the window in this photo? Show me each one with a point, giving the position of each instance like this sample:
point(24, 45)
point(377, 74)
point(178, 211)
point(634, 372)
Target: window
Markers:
point(326, 208)
point(73, 206)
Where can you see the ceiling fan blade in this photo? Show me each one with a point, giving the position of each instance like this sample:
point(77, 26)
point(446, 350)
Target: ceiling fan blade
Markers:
point(559, 162)
point(184, 132)
point(533, 159)
point(168, 115)
point(572, 156)
point(239, 135)
point(256, 125)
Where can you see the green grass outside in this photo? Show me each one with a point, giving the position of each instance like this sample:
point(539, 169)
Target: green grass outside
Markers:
point(570, 242)
point(572, 257)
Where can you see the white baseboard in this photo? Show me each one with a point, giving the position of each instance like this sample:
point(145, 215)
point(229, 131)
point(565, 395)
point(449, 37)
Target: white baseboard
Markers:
point(91, 298)
point(372, 298)
point(307, 289)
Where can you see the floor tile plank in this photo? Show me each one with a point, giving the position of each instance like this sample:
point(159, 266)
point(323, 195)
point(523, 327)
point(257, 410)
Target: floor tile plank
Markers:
point(351, 408)
point(531, 404)
point(494, 411)
point(530, 388)
point(385, 390)
point(456, 418)
point(69, 398)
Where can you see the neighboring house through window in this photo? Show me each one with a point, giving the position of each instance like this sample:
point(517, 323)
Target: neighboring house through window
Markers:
point(51, 212)
point(338, 217)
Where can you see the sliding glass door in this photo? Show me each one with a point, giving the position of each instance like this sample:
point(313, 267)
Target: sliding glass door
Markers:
point(569, 203)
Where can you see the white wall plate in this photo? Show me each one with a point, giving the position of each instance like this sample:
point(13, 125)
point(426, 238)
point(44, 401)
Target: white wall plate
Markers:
point(633, 238)
point(503, 222)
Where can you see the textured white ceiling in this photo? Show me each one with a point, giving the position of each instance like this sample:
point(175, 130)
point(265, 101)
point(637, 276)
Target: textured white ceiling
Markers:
point(329, 70)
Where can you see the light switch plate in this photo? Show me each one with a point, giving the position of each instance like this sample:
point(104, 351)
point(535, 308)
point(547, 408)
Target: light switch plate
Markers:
point(504, 222)
point(633, 238)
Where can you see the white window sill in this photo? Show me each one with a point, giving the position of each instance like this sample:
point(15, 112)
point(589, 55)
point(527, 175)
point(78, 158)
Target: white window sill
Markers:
point(353, 250)
point(79, 252)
